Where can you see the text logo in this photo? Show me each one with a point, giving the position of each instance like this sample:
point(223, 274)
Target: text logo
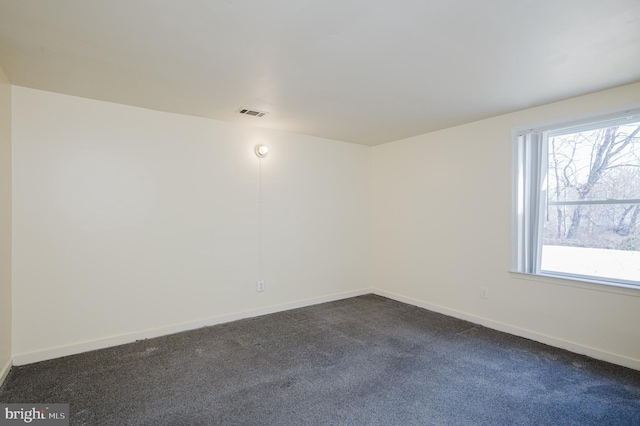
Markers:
point(34, 414)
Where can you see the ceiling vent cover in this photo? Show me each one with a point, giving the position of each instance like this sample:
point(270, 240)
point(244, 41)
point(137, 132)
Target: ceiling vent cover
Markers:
point(252, 112)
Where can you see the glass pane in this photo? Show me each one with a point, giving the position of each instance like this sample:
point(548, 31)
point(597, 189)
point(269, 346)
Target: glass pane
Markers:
point(592, 217)
point(605, 243)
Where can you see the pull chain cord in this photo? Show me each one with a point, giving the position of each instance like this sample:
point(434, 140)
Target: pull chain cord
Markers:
point(259, 218)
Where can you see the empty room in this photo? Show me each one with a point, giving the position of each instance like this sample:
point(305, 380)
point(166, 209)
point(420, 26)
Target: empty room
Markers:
point(312, 212)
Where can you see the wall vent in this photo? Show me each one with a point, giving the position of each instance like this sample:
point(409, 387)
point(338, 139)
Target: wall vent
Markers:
point(252, 112)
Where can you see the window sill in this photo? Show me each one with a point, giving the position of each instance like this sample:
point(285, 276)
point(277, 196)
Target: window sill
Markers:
point(595, 285)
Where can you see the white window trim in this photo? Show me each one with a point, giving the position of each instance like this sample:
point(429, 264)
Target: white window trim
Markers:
point(586, 284)
point(572, 123)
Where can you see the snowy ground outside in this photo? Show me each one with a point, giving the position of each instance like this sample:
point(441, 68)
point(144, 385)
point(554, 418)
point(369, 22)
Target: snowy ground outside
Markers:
point(595, 262)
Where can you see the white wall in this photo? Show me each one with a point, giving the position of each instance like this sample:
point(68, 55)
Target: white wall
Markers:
point(5, 225)
point(441, 220)
point(130, 222)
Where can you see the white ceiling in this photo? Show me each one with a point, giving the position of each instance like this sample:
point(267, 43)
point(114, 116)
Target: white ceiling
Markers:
point(363, 71)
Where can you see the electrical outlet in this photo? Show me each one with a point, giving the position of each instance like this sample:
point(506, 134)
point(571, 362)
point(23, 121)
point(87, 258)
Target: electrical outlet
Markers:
point(260, 285)
point(484, 293)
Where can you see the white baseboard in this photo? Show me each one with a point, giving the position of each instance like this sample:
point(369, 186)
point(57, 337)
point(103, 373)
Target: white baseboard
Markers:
point(529, 334)
point(4, 372)
point(31, 357)
point(57, 352)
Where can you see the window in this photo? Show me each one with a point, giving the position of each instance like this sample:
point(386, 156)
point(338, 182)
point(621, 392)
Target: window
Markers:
point(577, 200)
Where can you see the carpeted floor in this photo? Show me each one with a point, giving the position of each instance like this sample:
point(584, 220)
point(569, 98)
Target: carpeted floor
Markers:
point(361, 361)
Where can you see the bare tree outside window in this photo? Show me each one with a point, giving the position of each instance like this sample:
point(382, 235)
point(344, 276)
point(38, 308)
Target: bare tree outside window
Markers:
point(592, 218)
point(593, 189)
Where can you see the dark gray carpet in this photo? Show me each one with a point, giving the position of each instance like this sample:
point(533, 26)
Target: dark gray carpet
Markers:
point(361, 361)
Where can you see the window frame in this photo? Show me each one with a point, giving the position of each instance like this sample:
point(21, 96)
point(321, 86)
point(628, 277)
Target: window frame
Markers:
point(521, 267)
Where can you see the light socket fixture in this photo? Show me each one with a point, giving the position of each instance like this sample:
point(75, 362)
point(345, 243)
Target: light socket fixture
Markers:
point(261, 150)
